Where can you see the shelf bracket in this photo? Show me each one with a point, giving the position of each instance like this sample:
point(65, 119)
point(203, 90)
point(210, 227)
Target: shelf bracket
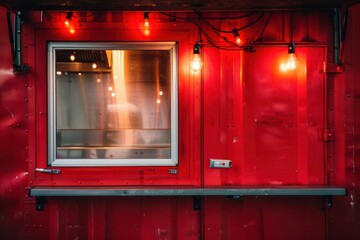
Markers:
point(40, 202)
point(15, 43)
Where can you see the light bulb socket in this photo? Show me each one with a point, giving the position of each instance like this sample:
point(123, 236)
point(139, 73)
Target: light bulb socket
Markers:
point(196, 49)
point(146, 16)
point(236, 33)
point(291, 48)
point(69, 16)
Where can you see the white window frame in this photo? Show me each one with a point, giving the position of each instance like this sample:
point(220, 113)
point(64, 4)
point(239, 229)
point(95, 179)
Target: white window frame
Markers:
point(53, 46)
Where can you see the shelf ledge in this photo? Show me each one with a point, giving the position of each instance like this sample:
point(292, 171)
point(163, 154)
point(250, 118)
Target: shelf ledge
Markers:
point(166, 191)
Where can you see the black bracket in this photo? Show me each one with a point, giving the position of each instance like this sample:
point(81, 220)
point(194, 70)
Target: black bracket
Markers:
point(40, 202)
point(329, 201)
point(340, 20)
point(197, 203)
point(234, 197)
point(15, 43)
point(24, 68)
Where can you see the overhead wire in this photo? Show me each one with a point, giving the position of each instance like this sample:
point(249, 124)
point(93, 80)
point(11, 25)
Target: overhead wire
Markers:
point(265, 26)
point(209, 18)
point(237, 29)
point(217, 31)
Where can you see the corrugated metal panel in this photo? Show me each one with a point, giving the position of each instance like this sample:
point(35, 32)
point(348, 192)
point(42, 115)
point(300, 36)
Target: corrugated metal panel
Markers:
point(280, 153)
point(343, 220)
point(265, 121)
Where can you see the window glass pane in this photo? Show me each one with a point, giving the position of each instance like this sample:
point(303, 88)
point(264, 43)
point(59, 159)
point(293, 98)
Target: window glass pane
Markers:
point(113, 104)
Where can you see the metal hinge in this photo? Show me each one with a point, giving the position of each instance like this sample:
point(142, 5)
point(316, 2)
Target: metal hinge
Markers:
point(326, 135)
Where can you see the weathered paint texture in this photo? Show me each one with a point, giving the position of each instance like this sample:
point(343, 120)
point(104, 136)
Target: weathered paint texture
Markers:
point(242, 107)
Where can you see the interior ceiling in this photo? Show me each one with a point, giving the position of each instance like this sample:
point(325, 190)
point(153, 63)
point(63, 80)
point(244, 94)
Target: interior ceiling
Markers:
point(172, 5)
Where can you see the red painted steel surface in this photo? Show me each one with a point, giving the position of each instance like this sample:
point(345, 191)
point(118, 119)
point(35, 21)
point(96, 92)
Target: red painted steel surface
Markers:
point(344, 220)
point(259, 218)
point(266, 121)
point(13, 141)
point(242, 108)
point(103, 176)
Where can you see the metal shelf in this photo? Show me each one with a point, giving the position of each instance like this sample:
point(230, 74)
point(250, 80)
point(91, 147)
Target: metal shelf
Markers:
point(148, 191)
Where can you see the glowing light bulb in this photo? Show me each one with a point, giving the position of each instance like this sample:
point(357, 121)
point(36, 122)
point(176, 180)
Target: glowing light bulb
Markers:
point(291, 62)
point(68, 23)
point(196, 63)
point(110, 89)
point(94, 66)
point(237, 38)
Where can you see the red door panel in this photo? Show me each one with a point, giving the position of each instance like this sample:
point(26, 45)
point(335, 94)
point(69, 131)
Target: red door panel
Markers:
point(264, 120)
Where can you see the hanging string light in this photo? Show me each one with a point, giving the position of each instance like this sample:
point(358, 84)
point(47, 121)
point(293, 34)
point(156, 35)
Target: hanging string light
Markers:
point(68, 19)
point(291, 62)
point(254, 18)
point(237, 37)
point(68, 22)
point(196, 62)
point(146, 23)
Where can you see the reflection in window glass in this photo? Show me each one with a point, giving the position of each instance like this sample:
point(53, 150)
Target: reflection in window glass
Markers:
point(113, 106)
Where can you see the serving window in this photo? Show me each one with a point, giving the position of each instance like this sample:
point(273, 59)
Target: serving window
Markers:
point(112, 104)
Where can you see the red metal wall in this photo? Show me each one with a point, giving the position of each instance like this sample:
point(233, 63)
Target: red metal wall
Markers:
point(14, 143)
point(344, 220)
point(241, 108)
point(265, 120)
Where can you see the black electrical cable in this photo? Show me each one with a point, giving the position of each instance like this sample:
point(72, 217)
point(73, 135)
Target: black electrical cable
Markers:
point(52, 18)
point(213, 44)
point(291, 26)
point(237, 29)
point(208, 18)
point(265, 26)
point(250, 24)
